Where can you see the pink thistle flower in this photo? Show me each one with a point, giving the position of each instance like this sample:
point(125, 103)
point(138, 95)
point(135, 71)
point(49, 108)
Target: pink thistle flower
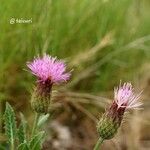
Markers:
point(125, 97)
point(48, 71)
point(49, 68)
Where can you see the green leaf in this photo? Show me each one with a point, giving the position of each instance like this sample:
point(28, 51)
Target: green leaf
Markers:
point(10, 124)
point(36, 141)
point(23, 146)
point(42, 120)
point(22, 129)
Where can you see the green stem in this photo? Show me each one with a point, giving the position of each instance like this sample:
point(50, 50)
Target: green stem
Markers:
point(35, 123)
point(12, 145)
point(1, 116)
point(98, 144)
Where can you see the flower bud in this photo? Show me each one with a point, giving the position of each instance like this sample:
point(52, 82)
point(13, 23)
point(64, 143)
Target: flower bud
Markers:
point(41, 98)
point(109, 123)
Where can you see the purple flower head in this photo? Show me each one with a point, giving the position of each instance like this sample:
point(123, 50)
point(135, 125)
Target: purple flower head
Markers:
point(49, 69)
point(125, 97)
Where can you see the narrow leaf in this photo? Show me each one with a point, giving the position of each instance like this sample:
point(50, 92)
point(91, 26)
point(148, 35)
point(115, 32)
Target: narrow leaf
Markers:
point(42, 120)
point(22, 129)
point(10, 124)
point(35, 143)
point(23, 146)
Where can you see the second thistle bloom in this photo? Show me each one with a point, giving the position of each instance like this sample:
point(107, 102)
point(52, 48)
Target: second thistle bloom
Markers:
point(124, 98)
point(48, 71)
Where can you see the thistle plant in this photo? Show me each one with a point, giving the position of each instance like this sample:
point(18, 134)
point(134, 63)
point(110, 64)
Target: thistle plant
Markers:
point(124, 99)
point(49, 71)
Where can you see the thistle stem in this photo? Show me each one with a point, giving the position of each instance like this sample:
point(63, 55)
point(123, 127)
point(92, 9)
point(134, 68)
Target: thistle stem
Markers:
point(12, 145)
point(98, 144)
point(37, 115)
point(1, 116)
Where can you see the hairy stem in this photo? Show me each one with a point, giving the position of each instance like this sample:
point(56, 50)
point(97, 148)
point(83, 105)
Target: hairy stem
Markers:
point(12, 145)
point(98, 144)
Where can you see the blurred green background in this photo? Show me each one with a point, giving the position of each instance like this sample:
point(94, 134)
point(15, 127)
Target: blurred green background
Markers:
point(103, 41)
